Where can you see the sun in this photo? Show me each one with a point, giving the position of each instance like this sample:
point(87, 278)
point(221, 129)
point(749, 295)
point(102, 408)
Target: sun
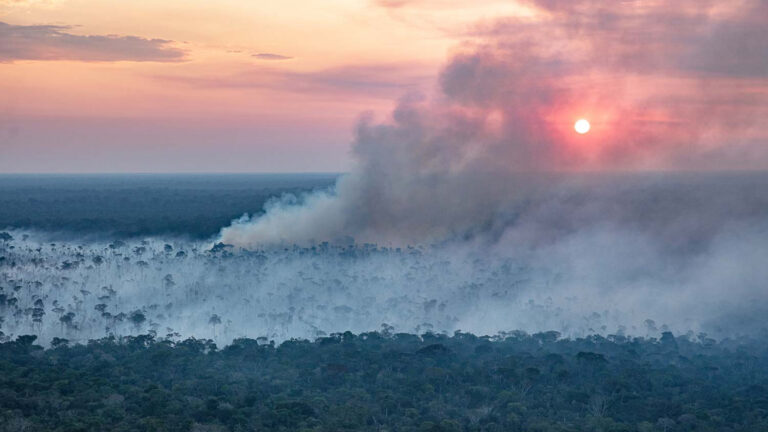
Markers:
point(581, 126)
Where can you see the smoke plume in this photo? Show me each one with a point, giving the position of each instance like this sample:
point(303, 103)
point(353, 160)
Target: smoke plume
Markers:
point(582, 228)
point(663, 86)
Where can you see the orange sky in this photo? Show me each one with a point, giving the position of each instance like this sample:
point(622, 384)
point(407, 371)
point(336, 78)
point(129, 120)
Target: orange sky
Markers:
point(346, 57)
point(234, 85)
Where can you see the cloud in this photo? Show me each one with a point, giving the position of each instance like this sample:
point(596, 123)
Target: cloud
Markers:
point(270, 56)
point(372, 77)
point(53, 42)
point(703, 36)
point(435, 4)
point(393, 4)
point(27, 3)
point(381, 80)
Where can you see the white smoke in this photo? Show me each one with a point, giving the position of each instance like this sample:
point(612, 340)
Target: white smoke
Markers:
point(490, 179)
point(562, 265)
point(451, 166)
point(475, 216)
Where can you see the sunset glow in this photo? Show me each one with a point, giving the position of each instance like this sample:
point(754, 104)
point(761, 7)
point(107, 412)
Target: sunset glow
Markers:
point(581, 126)
point(192, 86)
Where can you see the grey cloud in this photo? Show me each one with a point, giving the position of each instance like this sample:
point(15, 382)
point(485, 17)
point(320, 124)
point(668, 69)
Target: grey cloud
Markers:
point(731, 48)
point(430, 4)
point(382, 77)
point(382, 80)
point(685, 37)
point(54, 42)
point(271, 56)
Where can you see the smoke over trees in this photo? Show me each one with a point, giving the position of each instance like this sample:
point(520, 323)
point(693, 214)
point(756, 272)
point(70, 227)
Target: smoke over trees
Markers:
point(450, 165)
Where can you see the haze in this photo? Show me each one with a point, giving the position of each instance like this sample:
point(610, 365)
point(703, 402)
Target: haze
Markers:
point(186, 86)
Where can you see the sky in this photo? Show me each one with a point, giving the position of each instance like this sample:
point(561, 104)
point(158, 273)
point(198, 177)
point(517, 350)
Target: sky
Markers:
point(264, 86)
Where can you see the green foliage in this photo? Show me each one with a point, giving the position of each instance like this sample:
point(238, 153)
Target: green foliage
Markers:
point(386, 382)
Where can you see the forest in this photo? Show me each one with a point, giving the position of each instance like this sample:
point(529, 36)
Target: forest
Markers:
point(385, 381)
point(121, 205)
point(121, 310)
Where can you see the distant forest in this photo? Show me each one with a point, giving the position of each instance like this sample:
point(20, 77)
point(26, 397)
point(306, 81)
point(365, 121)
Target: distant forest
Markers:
point(195, 206)
point(381, 381)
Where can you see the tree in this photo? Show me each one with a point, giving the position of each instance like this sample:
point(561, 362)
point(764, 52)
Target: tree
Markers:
point(598, 405)
point(59, 342)
point(67, 320)
point(26, 340)
point(37, 313)
point(214, 321)
point(137, 318)
point(665, 424)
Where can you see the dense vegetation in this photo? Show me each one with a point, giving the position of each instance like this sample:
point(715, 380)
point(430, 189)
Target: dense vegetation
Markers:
point(141, 205)
point(383, 381)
